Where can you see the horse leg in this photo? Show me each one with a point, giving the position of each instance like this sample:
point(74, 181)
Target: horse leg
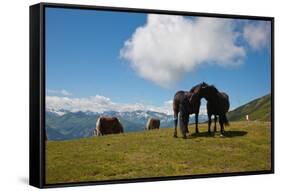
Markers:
point(209, 123)
point(196, 122)
point(221, 124)
point(183, 125)
point(215, 127)
point(187, 122)
point(175, 123)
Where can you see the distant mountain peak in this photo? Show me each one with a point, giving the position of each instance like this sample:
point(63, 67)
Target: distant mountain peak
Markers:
point(79, 124)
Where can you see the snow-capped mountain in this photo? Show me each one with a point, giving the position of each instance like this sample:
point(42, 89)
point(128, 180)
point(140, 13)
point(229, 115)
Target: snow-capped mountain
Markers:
point(64, 124)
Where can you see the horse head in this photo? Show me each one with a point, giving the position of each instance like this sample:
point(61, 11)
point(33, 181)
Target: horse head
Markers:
point(198, 92)
point(209, 92)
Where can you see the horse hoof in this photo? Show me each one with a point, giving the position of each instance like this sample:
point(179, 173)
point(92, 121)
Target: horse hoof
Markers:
point(184, 137)
point(221, 135)
point(175, 136)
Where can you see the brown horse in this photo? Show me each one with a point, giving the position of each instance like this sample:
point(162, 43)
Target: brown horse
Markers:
point(152, 123)
point(182, 106)
point(217, 104)
point(108, 125)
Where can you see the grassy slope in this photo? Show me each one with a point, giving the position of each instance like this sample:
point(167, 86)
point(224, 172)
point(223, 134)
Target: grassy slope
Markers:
point(157, 153)
point(258, 109)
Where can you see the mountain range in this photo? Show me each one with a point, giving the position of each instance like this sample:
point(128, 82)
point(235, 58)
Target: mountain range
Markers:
point(63, 124)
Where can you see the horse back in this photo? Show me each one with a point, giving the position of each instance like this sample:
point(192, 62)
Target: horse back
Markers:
point(154, 123)
point(110, 125)
point(220, 105)
point(182, 104)
point(178, 97)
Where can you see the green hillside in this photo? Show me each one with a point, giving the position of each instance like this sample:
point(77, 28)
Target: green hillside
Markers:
point(245, 147)
point(258, 109)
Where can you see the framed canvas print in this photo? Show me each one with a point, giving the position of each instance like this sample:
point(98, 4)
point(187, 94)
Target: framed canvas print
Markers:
point(122, 95)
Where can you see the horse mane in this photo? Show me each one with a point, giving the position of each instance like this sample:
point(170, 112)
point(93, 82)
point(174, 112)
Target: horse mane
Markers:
point(212, 87)
point(192, 90)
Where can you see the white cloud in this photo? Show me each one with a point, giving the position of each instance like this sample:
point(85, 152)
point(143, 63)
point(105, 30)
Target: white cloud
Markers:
point(62, 92)
point(257, 34)
point(166, 47)
point(100, 104)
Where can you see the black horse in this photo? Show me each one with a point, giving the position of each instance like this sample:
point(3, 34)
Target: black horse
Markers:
point(217, 104)
point(183, 108)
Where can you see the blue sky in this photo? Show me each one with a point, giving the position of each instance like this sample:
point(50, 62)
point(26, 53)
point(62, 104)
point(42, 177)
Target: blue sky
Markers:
point(86, 55)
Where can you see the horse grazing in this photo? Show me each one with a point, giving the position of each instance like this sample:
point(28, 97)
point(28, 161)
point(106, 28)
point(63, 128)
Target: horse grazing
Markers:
point(152, 123)
point(217, 104)
point(108, 125)
point(182, 106)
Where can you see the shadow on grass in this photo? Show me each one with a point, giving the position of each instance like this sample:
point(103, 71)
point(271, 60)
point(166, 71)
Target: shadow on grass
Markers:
point(226, 134)
point(235, 133)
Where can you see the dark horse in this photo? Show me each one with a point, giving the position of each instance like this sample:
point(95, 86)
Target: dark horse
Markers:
point(183, 108)
point(217, 104)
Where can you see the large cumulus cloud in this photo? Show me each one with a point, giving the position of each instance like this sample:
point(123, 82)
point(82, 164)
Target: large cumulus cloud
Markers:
point(167, 47)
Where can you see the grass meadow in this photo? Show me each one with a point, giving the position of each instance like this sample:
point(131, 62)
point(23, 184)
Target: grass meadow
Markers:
point(245, 147)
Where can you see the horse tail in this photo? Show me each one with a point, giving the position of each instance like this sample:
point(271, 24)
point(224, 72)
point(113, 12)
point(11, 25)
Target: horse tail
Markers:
point(147, 124)
point(225, 120)
point(98, 127)
point(121, 128)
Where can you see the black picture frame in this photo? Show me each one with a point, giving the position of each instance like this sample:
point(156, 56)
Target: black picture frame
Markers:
point(37, 93)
